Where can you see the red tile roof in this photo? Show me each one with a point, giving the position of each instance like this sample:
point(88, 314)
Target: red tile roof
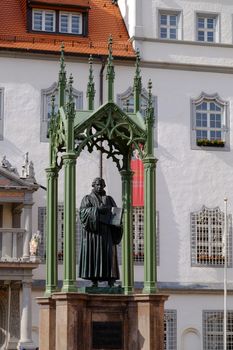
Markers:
point(104, 19)
point(84, 3)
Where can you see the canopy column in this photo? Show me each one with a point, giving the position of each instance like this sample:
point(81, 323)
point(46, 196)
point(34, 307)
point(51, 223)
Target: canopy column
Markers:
point(127, 243)
point(149, 226)
point(51, 239)
point(69, 280)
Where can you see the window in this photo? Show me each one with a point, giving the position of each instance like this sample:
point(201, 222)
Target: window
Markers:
point(46, 95)
point(213, 330)
point(210, 123)
point(126, 103)
point(207, 230)
point(207, 28)
point(60, 232)
point(70, 23)
point(138, 235)
point(169, 25)
point(170, 330)
point(1, 112)
point(43, 20)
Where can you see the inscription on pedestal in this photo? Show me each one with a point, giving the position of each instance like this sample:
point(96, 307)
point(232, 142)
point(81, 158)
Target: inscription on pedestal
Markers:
point(107, 335)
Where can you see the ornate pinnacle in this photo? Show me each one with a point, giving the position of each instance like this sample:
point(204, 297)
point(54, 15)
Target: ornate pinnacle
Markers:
point(62, 72)
point(150, 109)
point(62, 78)
point(52, 118)
point(110, 41)
point(149, 94)
point(137, 77)
point(110, 70)
point(70, 104)
point(137, 84)
point(53, 105)
point(91, 86)
point(70, 89)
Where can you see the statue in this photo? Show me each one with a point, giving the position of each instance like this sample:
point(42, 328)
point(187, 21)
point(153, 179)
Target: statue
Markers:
point(100, 236)
point(6, 164)
point(34, 244)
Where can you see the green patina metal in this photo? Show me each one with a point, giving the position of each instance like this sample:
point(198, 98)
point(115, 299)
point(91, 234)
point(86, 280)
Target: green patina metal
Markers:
point(116, 133)
point(91, 87)
point(137, 84)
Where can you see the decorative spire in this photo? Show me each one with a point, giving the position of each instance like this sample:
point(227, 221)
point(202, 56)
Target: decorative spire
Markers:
point(62, 78)
point(53, 105)
point(137, 83)
point(110, 70)
point(70, 97)
point(149, 147)
point(150, 109)
point(91, 86)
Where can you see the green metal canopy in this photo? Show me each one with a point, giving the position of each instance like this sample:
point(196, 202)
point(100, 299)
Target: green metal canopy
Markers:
point(116, 133)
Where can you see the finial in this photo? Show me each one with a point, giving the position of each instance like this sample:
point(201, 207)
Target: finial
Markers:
point(110, 70)
point(62, 62)
point(62, 78)
point(51, 121)
point(70, 89)
point(150, 109)
point(110, 41)
point(53, 105)
point(149, 93)
point(91, 86)
point(70, 104)
point(137, 83)
point(138, 58)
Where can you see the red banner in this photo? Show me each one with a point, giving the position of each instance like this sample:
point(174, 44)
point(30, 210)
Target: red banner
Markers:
point(138, 182)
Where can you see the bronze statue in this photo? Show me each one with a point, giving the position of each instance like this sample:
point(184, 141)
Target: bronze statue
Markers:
point(98, 254)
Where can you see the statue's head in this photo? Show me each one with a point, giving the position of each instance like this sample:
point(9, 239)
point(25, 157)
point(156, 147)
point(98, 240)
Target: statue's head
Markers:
point(98, 184)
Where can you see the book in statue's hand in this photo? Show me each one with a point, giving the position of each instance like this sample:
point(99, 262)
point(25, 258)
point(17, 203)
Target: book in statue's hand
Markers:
point(116, 216)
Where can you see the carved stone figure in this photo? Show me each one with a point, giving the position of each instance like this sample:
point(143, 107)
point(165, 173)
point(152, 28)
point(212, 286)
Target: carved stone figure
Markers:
point(6, 164)
point(34, 244)
point(98, 254)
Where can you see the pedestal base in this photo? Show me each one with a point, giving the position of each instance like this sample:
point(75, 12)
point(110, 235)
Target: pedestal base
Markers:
point(77, 321)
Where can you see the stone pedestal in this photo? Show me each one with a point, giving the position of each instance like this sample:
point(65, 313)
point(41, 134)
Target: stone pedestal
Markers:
point(89, 321)
point(47, 323)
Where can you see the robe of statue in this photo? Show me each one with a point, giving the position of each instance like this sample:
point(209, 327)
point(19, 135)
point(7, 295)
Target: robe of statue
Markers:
point(98, 254)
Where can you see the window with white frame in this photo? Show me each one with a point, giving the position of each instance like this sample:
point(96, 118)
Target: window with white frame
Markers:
point(213, 330)
point(210, 122)
point(60, 232)
point(207, 28)
point(138, 235)
point(43, 20)
point(46, 107)
point(169, 25)
point(207, 243)
point(1, 112)
point(70, 23)
point(126, 102)
point(170, 330)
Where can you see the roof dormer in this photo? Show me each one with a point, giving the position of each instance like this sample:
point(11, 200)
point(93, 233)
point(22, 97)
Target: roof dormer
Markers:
point(66, 17)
